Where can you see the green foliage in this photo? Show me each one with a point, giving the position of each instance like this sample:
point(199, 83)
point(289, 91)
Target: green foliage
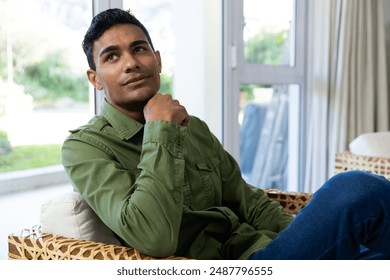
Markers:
point(166, 84)
point(248, 89)
point(26, 157)
point(265, 47)
point(5, 145)
point(52, 78)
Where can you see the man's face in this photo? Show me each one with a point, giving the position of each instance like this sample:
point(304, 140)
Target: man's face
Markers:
point(126, 67)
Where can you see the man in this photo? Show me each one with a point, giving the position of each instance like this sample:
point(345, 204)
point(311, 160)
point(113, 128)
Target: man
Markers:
point(164, 184)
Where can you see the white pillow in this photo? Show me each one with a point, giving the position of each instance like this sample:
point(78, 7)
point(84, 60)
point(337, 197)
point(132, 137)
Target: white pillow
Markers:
point(376, 144)
point(70, 216)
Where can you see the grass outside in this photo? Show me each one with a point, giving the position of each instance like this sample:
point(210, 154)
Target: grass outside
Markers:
point(31, 156)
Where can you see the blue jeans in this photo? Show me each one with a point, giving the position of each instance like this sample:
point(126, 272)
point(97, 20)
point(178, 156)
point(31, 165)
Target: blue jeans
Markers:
point(347, 218)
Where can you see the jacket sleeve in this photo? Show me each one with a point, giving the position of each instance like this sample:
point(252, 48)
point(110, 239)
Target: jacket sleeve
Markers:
point(142, 206)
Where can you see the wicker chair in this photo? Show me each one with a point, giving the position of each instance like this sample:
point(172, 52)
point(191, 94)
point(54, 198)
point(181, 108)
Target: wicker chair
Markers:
point(53, 247)
point(378, 165)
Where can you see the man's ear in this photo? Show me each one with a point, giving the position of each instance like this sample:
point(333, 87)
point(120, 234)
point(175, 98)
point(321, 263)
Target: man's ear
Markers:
point(92, 77)
point(158, 57)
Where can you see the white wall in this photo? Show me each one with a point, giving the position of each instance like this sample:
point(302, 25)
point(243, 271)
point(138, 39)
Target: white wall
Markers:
point(198, 61)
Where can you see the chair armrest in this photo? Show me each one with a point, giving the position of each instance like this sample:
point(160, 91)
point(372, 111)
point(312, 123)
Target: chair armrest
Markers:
point(292, 202)
point(347, 161)
point(54, 247)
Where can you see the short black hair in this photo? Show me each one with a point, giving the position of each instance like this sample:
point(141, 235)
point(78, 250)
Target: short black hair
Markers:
point(103, 21)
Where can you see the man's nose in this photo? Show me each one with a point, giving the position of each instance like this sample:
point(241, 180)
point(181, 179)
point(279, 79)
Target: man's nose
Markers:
point(130, 63)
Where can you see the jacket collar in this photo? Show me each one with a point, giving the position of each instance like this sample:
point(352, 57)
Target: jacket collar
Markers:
point(124, 125)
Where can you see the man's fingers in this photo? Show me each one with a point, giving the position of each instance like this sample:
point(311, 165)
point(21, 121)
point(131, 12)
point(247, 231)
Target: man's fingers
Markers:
point(164, 107)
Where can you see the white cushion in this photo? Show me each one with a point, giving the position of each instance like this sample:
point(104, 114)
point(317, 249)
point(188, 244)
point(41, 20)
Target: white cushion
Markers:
point(376, 144)
point(70, 216)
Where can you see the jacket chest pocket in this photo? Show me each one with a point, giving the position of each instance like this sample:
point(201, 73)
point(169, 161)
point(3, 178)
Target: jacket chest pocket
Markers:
point(211, 181)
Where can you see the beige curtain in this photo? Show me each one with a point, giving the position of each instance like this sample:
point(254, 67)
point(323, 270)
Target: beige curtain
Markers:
point(347, 80)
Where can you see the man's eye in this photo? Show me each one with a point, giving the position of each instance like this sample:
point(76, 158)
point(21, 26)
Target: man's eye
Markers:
point(139, 49)
point(111, 57)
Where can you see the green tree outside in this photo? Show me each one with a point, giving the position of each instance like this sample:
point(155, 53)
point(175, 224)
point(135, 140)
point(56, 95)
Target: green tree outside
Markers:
point(266, 47)
point(51, 79)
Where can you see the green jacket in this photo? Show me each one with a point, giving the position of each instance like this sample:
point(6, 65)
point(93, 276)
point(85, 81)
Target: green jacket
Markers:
point(167, 189)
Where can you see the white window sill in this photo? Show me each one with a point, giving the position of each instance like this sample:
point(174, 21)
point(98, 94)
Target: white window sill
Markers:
point(32, 178)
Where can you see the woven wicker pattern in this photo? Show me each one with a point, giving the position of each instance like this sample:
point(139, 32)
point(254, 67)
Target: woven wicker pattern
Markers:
point(346, 161)
point(53, 247)
point(292, 202)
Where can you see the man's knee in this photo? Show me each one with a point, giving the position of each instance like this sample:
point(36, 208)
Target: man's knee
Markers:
point(356, 187)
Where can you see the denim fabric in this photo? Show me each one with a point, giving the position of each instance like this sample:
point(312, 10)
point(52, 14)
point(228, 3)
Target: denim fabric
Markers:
point(348, 218)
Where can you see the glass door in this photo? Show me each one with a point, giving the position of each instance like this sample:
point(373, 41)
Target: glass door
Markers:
point(266, 78)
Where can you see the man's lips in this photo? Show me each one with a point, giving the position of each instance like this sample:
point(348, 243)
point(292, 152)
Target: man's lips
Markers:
point(135, 79)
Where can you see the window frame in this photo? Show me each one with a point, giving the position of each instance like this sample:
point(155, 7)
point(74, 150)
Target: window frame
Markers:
point(237, 72)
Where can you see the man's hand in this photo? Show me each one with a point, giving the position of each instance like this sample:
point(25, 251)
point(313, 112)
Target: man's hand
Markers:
point(163, 107)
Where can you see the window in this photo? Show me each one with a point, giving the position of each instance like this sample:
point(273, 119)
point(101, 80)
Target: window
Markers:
point(264, 78)
point(268, 120)
point(266, 32)
point(44, 91)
